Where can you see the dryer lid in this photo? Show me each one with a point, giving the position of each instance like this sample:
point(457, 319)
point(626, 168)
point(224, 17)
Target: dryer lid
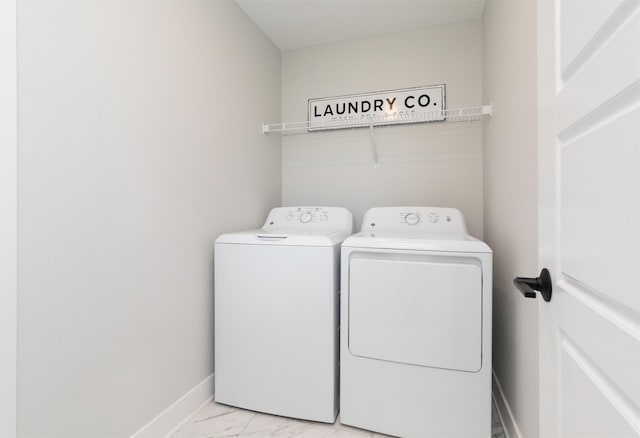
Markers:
point(413, 309)
point(445, 242)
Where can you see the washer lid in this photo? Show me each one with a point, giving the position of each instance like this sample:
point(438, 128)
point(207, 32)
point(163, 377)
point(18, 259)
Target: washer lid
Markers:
point(298, 226)
point(296, 238)
point(447, 242)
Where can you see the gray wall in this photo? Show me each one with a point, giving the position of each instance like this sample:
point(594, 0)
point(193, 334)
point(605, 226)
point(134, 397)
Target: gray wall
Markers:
point(139, 142)
point(436, 164)
point(510, 203)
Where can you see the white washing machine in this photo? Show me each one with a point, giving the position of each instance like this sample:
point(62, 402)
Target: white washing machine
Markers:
point(416, 325)
point(276, 313)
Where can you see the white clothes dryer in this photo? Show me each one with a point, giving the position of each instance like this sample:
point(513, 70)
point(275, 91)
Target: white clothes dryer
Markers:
point(276, 313)
point(416, 325)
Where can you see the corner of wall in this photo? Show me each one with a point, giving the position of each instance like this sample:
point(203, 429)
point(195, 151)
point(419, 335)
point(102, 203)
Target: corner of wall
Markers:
point(509, 139)
point(170, 420)
point(8, 217)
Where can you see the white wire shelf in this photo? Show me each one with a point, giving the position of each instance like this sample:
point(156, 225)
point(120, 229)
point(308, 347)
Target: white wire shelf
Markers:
point(468, 114)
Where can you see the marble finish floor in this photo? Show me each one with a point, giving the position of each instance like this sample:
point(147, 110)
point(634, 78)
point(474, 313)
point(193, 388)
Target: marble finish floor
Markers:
point(220, 421)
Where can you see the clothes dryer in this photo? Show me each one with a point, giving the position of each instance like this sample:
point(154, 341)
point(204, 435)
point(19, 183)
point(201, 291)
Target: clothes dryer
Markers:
point(416, 325)
point(276, 313)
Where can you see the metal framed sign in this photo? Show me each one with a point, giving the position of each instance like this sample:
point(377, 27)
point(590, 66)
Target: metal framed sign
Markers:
point(407, 105)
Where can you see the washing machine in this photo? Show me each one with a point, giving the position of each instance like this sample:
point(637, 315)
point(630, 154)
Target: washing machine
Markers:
point(277, 313)
point(416, 325)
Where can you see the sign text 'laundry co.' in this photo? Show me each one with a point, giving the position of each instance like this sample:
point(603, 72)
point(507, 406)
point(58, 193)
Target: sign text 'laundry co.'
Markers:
point(408, 105)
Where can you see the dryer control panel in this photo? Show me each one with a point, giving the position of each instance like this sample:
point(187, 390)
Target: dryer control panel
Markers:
point(309, 219)
point(414, 219)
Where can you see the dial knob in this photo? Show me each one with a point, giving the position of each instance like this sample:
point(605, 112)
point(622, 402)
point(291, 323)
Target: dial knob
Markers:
point(305, 217)
point(412, 219)
point(433, 218)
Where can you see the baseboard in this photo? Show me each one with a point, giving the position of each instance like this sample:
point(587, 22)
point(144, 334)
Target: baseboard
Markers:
point(511, 429)
point(169, 420)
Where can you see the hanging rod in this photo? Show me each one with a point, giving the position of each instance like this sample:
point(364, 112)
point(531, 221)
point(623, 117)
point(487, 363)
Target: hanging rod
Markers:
point(467, 114)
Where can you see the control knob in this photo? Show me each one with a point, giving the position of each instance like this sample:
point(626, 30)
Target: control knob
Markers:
point(412, 219)
point(306, 217)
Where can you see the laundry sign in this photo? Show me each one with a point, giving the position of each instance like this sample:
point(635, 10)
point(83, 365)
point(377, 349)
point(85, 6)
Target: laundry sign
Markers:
point(407, 105)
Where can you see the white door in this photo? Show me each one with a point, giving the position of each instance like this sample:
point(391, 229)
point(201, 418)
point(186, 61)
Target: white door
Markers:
point(589, 166)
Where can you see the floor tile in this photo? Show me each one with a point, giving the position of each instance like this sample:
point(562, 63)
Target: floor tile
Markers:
point(263, 425)
point(220, 421)
point(216, 421)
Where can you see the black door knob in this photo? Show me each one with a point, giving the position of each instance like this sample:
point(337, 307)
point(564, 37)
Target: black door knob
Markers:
point(529, 286)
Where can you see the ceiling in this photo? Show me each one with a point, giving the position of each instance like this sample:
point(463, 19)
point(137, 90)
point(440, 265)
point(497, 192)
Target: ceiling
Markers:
point(294, 24)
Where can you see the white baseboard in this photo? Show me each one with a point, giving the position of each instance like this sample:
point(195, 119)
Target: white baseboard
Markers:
point(511, 429)
point(169, 420)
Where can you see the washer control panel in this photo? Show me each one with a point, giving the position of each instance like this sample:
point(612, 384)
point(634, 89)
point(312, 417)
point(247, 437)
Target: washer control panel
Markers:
point(308, 215)
point(419, 219)
point(308, 219)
